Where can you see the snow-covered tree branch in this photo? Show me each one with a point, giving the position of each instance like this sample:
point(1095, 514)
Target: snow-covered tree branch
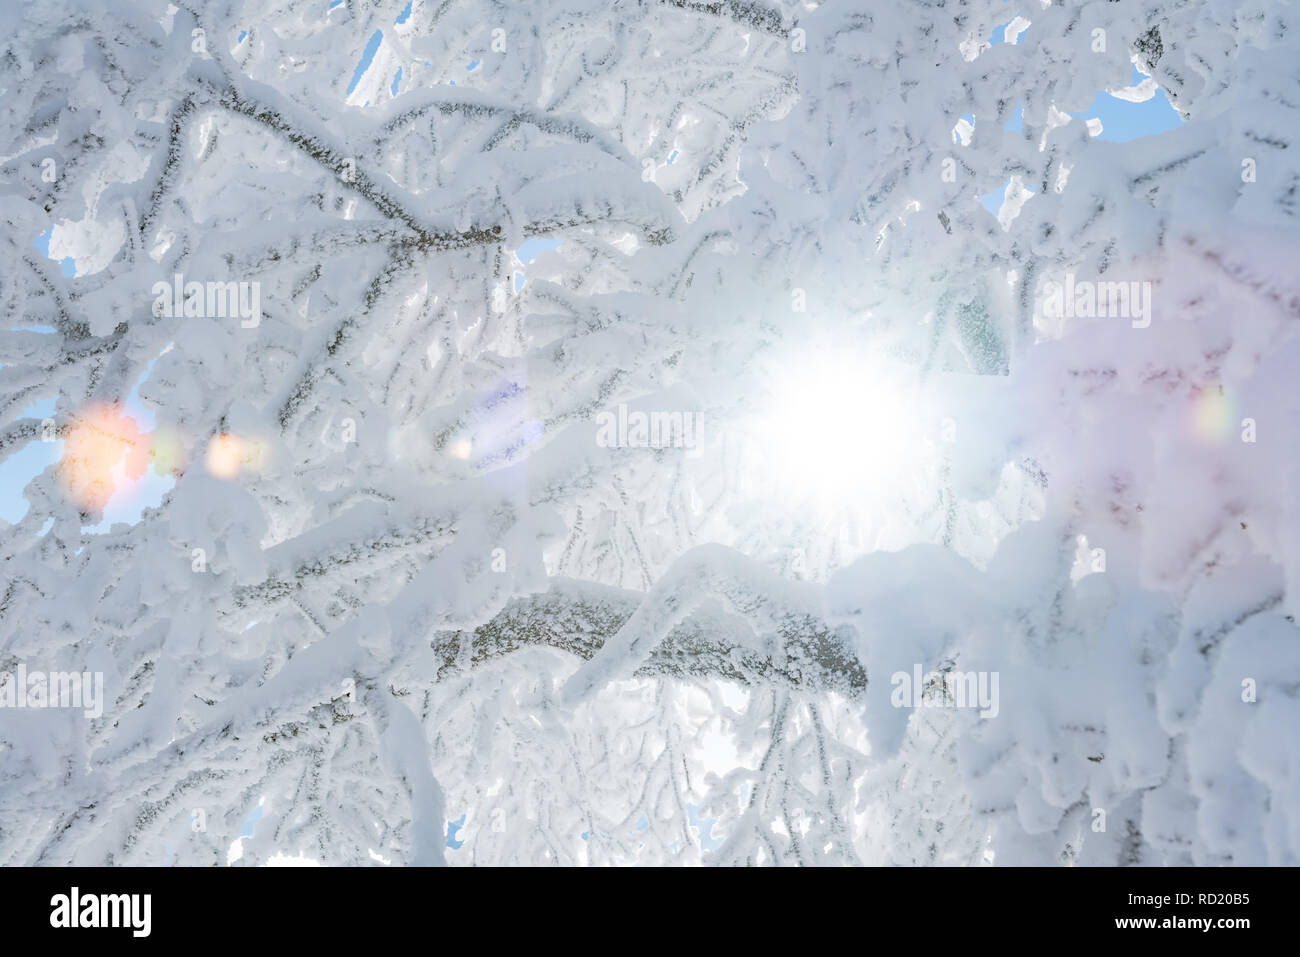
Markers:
point(579, 432)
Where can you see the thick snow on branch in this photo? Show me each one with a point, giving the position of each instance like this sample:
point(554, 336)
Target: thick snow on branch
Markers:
point(421, 439)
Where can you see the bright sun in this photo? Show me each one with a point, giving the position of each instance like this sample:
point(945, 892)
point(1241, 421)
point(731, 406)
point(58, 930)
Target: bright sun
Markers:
point(844, 431)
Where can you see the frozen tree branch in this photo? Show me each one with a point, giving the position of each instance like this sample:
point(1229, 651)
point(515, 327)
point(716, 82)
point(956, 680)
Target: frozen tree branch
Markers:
point(579, 618)
point(427, 583)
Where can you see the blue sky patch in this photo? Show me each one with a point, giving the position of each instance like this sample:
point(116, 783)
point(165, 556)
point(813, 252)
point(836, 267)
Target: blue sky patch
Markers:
point(367, 55)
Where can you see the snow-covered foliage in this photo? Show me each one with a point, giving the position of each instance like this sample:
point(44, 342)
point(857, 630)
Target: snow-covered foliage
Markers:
point(403, 576)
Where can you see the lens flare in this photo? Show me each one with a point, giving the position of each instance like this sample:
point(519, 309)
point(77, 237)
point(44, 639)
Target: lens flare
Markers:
point(1212, 416)
point(167, 450)
point(225, 453)
point(229, 454)
point(100, 439)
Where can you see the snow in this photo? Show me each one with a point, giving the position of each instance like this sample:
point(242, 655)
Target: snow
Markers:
point(367, 587)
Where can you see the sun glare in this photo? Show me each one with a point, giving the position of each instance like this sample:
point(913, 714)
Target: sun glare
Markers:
point(843, 430)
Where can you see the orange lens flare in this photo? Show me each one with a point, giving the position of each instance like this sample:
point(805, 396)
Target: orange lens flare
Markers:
point(100, 439)
point(229, 454)
point(225, 451)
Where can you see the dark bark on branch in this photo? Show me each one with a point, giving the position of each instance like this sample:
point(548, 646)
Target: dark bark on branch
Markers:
point(804, 653)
